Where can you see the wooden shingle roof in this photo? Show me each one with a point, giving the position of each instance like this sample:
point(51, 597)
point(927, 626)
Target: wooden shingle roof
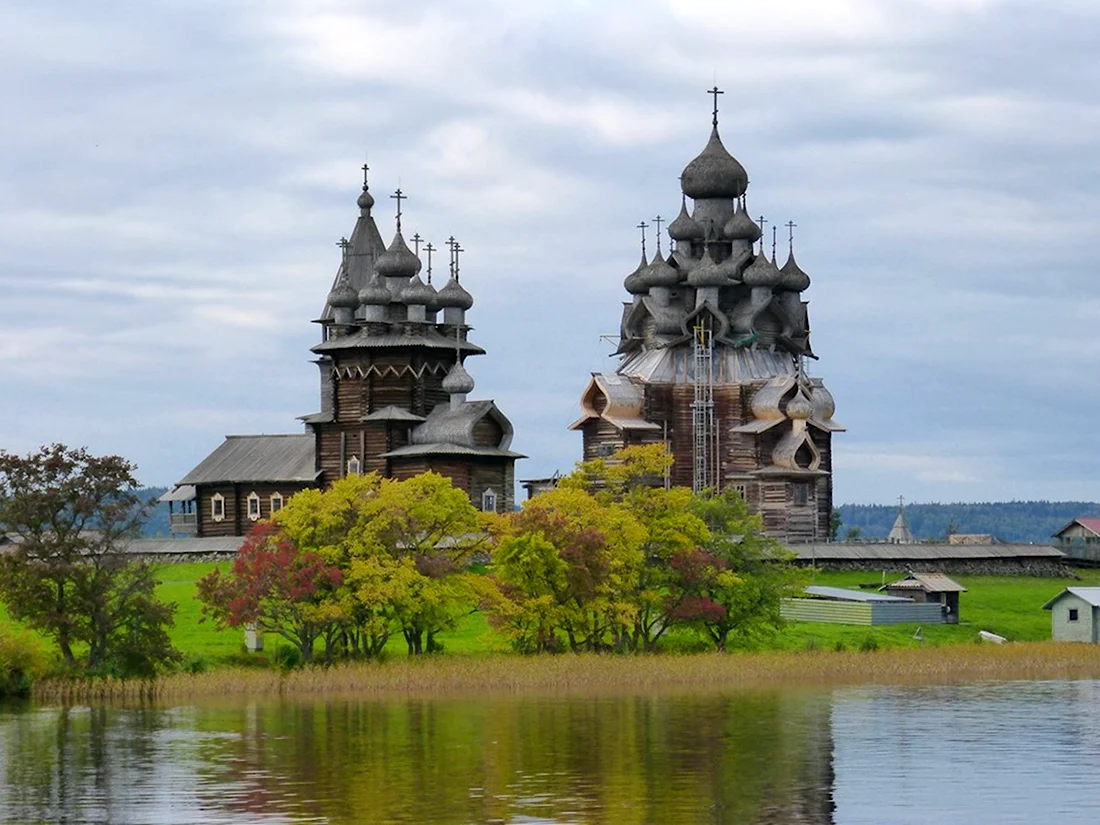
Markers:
point(257, 458)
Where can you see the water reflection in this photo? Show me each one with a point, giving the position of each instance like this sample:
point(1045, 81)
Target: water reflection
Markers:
point(761, 758)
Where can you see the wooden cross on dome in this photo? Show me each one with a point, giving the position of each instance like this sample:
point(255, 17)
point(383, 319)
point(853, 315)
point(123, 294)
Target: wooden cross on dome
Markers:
point(429, 249)
point(399, 196)
point(658, 220)
point(416, 239)
point(365, 170)
point(715, 92)
point(790, 234)
point(643, 226)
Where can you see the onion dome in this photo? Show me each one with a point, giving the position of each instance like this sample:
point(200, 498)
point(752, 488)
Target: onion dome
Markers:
point(398, 261)
point(453, 295)
point(342, 294)
point(731, 266)
point(417, 292)
point(714, 173)
point(707, 273)
point(684, 227)
point(633, 281)
point(824, 405)
point(762, 272)
point(375, 293)
point(366, 200)
point(740, 227)
point(800, 407)
point(659, 273)
point(458, 381)
point(794, 278)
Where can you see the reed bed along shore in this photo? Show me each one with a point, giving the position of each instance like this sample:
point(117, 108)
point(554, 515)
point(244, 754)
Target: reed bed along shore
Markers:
point(471, 676)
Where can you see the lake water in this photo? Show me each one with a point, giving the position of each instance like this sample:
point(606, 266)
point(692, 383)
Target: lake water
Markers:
point(1014, 752)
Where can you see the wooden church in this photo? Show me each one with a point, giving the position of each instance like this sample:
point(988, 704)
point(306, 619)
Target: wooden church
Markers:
point(394, 396)
point(712, 359)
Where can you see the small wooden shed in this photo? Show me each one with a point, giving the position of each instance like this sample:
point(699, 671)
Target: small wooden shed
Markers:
point(1075, 615)
point(836, 605)
point(930, 588)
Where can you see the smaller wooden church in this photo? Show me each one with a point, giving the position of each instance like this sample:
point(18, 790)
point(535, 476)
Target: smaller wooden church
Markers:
point(394, 396)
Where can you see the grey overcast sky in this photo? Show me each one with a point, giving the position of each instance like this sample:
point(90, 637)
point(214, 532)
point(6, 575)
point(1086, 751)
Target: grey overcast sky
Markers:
point(174, 175)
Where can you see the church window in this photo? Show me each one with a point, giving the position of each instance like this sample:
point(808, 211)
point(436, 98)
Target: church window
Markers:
point(217, 507)
point(353, 466)
point(801, 493)
point(253, 506)
point(739, 489)
point(605, 450)
point(276, 502)
point(489, 501)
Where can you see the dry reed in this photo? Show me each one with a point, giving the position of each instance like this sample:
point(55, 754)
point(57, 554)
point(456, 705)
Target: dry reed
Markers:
point(595, 674)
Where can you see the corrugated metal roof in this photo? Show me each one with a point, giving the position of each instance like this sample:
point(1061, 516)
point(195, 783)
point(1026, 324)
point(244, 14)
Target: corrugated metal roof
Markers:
point(929, 583)
point(841, 594)
point(1089, 594)
point(921, 552)
point(257, 458)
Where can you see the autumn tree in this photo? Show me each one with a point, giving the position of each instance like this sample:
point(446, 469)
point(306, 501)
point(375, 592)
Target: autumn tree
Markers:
point(277, 587)
point(72, 514)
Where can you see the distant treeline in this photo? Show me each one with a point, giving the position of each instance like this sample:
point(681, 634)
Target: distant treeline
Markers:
point(1010, 521)
point(157, 525)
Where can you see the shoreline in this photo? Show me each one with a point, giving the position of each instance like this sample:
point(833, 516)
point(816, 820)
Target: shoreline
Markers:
point(503, 675)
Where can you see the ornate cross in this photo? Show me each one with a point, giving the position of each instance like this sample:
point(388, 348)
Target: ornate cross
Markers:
point(429, 249)
point(416, 244)
point(901, 502)
point(365, 170)
point(451, 244)
point(790, 230)
point(658, 220)
point(399, 196)
point(344, 244)
point(715, 92)
point(761, 221)
point(643, 226)
point(775, 230)
point(458, 249)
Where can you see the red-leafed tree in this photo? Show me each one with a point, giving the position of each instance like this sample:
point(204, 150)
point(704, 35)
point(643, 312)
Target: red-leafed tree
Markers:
point(277, 587)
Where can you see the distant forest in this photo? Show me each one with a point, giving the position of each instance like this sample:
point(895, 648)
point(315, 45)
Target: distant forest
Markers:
point(1010, 521)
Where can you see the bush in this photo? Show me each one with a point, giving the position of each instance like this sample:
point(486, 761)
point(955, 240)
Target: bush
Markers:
point(869, 644)
point(23, 659)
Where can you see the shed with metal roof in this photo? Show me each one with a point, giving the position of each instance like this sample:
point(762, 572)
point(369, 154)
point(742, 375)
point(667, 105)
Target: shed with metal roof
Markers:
point(836, 605)
point(1075, 615)
point(930, 588)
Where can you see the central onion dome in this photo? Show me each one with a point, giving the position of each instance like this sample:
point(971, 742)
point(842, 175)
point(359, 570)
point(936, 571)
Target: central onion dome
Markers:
point(794, 278)
point(707, 273)
point(684, 227)
point(659, 273)
point(342, 294)
point(398, 261)
point(417, 292)
point(375, 293)
point(740, 227)
point(800, 407)
point(633, 281)
point(458, 381)
point(453, 295)
point(714, 173)
point(762, 272)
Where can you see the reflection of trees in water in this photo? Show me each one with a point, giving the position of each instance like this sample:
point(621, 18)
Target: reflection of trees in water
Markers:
point(746, 758)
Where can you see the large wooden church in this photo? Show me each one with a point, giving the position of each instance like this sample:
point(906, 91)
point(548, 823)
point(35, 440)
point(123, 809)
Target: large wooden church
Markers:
point(712, 359)
point(394, 395)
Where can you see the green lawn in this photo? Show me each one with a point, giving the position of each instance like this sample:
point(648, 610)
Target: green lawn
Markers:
point(1010, 606)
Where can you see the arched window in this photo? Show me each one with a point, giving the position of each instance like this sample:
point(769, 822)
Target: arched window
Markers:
point(276, 502)
point(353, 466)
point(217, 507)
point(489, 501)
point(253, 506)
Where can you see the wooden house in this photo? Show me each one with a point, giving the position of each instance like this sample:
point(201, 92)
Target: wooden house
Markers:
point(1075, 615)
point(711, 361)
point(1080, 540)
point(930, 588)
point(394, 393)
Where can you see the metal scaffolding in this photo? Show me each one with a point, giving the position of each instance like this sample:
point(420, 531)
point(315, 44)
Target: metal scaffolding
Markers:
point(702, 412)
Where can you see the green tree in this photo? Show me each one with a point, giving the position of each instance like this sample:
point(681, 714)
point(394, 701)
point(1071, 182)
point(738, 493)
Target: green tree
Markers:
point(72, 514)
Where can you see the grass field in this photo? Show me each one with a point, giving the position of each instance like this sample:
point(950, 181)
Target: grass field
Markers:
point(1006, 605)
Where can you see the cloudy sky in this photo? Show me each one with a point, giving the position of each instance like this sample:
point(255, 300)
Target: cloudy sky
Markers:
point(174, 175)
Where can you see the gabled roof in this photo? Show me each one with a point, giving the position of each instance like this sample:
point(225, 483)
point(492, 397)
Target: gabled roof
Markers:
point(624, 400)
point(392, 413)
point(182, 492)
point(1090, 524)
point(257, 458)
point(928, 582)
point(1089, 594)
point(451, 431)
